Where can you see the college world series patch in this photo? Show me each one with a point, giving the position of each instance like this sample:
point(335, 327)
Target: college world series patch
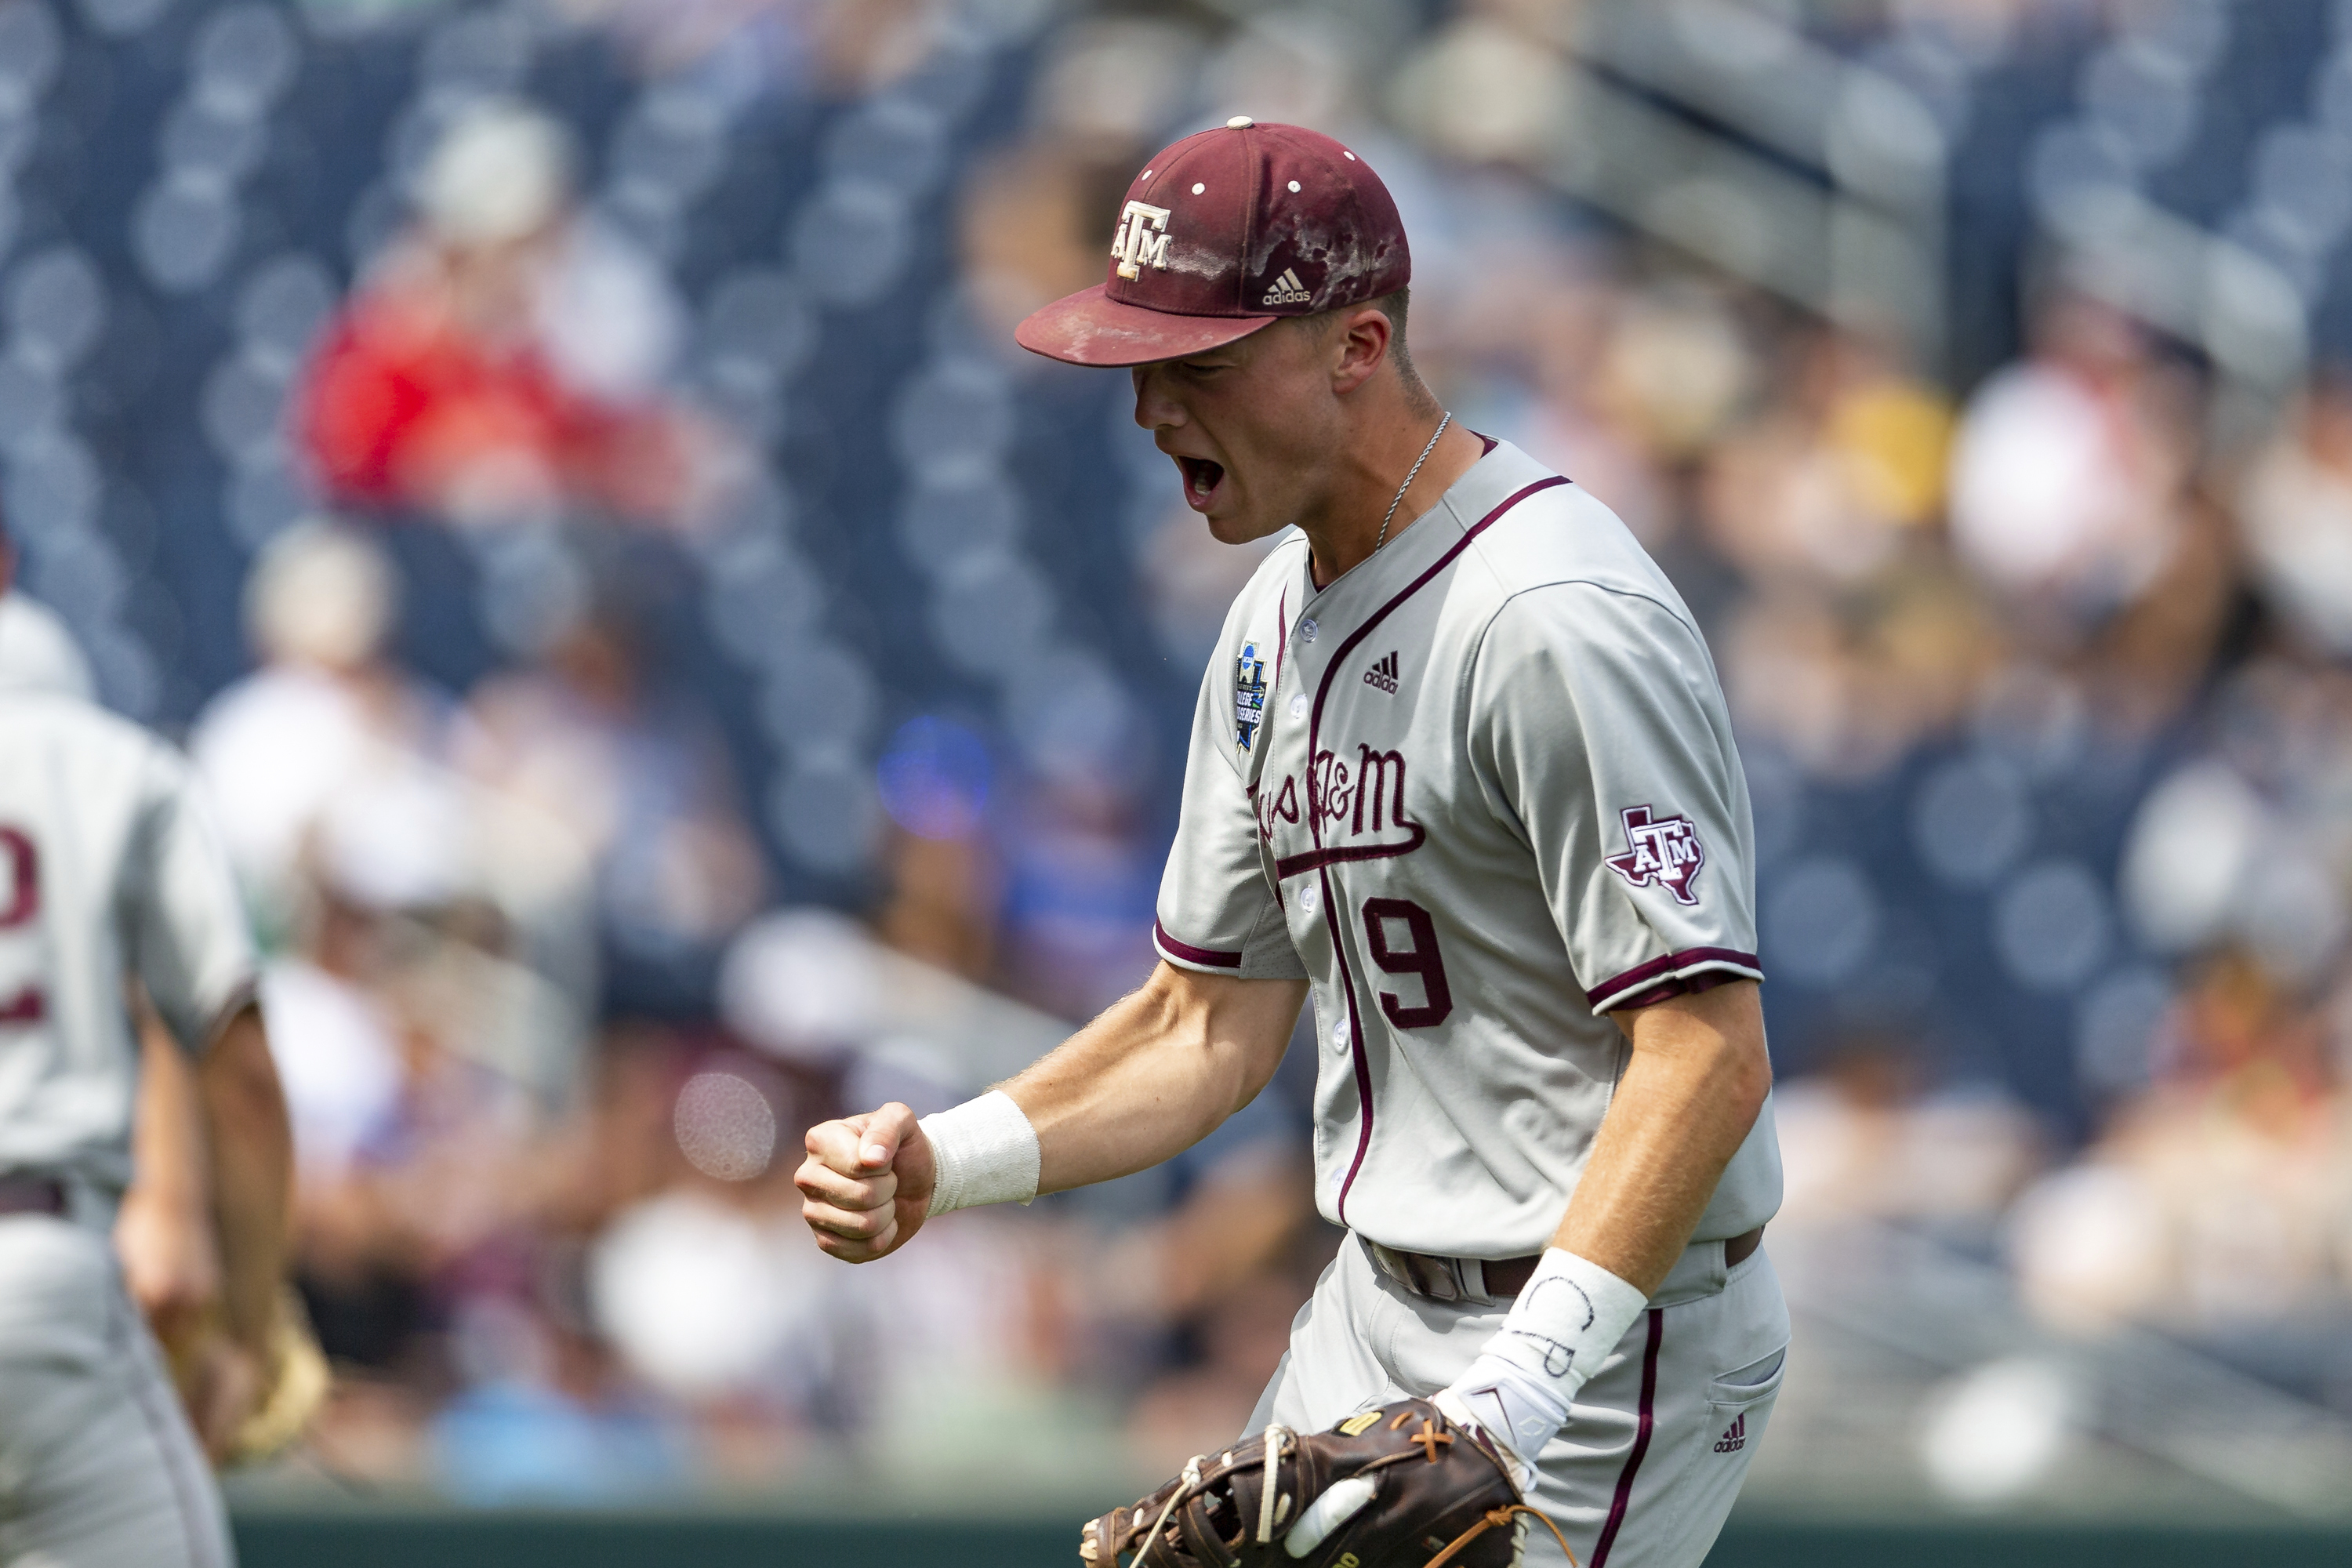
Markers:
point(1249, 696)
point(1660, 851)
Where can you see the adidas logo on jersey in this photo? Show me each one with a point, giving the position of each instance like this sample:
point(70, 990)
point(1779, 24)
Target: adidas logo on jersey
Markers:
point(1382, 676)
point(1288, 290)
point(1735, 1437)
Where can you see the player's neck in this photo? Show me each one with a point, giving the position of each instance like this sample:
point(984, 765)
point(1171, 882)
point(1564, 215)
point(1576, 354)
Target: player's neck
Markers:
point(1345, 530)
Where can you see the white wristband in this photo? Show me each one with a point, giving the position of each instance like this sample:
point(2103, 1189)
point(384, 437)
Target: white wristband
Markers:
point(1566, 1321)
point(983, 1151)
point(1571, 1313)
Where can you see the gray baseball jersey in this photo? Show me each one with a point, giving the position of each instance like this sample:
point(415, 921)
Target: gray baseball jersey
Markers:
point(109, 868)
point(1480, 790)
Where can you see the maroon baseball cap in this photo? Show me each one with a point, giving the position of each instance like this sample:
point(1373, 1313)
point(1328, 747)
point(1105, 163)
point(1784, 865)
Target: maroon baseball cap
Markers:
point(1227, 231)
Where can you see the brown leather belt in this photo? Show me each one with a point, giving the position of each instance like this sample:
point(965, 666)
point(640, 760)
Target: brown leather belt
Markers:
point(1497, 1280)
point(31, 1194)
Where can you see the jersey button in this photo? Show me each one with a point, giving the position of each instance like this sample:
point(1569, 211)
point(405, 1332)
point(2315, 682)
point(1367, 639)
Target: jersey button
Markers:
point(1298, 705)
point(1312, 900)
point(1340, 1034)
point(1307, 630)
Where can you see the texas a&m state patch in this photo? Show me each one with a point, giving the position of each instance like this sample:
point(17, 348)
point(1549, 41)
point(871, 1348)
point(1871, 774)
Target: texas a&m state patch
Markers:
point(1660, 851)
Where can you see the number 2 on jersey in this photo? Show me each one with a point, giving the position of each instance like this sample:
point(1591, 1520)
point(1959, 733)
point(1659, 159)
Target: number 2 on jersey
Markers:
point(20, 904)
point(1421, 959)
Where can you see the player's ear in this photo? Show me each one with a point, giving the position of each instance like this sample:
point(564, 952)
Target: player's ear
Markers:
point(1359, 346)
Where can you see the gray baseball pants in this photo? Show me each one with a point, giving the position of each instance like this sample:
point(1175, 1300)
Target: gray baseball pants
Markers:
point(98, 1468)
point(1653, 1456)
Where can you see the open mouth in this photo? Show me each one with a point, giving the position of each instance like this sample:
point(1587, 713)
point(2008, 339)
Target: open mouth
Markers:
point(1201, 478)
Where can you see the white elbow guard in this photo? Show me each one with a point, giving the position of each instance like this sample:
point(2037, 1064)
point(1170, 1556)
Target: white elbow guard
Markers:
point(984, 1151)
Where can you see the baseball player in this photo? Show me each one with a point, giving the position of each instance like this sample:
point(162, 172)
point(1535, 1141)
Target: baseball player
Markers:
point(1461, 770)
point(108, 868)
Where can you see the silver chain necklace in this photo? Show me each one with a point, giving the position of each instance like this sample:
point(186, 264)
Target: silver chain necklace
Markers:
point(1415, 474)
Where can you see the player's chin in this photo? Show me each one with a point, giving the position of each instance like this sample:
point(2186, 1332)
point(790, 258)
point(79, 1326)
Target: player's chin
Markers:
point(1235, 522)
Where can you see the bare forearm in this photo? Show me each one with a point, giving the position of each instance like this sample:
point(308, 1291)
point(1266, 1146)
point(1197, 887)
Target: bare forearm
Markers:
point(1155, 1074)
point(1692, 1090)
point(164, 1232)
point(167, 1156)
point(252, 1171)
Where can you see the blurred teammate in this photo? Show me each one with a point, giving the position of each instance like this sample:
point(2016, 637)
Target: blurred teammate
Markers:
point(37, 652)
point(1461, 766)
point(110, 870)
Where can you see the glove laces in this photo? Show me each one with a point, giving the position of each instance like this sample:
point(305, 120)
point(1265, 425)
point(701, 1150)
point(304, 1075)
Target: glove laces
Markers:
point(1277, 1437)
point(1499, 1518)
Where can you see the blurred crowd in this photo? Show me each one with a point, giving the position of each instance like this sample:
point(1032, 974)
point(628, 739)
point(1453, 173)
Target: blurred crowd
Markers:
point(2043, 691)
point(548, 1231)
point(547, 1070)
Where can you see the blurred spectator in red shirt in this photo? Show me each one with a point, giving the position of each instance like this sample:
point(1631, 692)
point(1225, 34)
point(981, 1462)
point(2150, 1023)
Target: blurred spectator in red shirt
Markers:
point(506, 358)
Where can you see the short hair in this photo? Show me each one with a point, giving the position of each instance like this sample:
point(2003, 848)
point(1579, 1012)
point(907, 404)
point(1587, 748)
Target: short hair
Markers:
point(1396, 305)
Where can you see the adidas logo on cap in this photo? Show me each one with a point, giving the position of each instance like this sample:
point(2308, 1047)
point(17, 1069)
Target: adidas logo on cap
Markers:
point(1735, 1437)
point(1382, 676)
point(1287, 290)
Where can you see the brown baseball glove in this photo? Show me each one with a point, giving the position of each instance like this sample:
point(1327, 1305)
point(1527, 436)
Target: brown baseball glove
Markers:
point(297, 1387)
point(1400, 1486)
point(262, 1410)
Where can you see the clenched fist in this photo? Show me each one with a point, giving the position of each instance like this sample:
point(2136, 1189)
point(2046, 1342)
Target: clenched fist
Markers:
point(866, 1183)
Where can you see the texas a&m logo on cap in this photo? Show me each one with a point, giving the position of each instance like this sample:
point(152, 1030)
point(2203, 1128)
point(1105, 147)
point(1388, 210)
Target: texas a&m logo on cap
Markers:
point(1141, 238)
point(1661, 851)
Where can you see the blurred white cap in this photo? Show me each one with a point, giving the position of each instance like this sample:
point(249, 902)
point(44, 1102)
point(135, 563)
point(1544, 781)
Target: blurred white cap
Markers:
point(1995, 1432)
point(803, 982)
point(320, 594)
point(812, 984)
point(394, 836)
point(501, 172)
point(700, 1298)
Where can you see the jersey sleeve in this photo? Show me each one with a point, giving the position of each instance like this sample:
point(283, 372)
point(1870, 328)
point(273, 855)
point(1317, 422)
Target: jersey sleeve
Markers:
point(186, 934)
point(1217, 912)
point(1597, 725)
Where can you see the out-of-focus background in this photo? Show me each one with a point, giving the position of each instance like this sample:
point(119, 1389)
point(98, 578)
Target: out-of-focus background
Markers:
point(672, 671)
